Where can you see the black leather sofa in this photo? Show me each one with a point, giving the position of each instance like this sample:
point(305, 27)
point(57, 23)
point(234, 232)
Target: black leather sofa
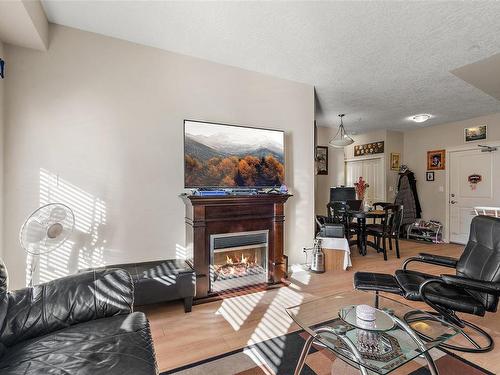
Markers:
point(80, 324)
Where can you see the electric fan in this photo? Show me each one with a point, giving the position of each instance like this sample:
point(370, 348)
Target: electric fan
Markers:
point(45, 230)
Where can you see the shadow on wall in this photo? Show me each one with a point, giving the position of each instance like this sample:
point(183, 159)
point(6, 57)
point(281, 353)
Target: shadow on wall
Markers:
point(86, 246)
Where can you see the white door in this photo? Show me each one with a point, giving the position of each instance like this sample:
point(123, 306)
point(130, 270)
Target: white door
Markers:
point(466, 166)
point(372, 171)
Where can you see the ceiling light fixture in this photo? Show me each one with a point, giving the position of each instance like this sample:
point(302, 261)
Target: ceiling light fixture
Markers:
point(421, 118)
point(341, 139)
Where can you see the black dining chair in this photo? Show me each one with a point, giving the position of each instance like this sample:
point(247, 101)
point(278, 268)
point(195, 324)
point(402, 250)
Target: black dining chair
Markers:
point(333, 225)
point(379, 205)
point(388, 229)
point(382, 205)
point(340, 212)
point(337, 211)
point(354, 204)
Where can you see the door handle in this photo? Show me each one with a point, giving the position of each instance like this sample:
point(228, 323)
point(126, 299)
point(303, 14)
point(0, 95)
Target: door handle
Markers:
point(453, 202)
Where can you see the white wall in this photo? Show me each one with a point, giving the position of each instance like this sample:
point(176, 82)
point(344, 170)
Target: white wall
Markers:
point(98, 123)
point(394, 143)
point(336, 168)
point(419, 141)
point(363, 138)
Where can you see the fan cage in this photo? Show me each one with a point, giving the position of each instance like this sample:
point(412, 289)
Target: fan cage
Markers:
point(44, 218)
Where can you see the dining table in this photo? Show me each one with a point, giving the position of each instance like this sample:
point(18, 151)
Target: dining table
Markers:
point(361, 236)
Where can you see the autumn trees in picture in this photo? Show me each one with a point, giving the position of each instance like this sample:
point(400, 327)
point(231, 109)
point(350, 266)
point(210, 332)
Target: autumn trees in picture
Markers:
point(232, 156)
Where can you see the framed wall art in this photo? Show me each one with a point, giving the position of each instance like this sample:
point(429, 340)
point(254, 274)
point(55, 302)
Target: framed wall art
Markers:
point(477, 133)
point(436, 160)
point(321, 160)
point(429, 176)
point(369, 149)
point(395, 161)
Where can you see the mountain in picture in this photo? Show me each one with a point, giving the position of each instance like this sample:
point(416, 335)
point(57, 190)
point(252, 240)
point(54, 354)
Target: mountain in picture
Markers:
point(232, 156)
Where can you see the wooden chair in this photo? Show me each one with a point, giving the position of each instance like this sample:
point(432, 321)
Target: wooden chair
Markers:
point(388, 229)
point(381, 205)
point(337, 213)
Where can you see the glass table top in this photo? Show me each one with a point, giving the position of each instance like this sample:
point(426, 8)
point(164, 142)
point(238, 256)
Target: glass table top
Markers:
point(381, 320)
point(331, 322)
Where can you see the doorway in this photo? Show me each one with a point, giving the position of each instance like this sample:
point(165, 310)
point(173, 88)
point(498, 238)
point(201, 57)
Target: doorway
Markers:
point(473, 181)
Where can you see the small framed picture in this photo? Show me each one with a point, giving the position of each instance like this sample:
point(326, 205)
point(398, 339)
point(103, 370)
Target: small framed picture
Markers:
point(436, 160)
point(477, 133)
point(395, 161)
point(321, 160)
point(429, 176)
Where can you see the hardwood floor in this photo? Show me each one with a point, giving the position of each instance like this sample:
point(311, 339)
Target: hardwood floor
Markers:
point(218, 327)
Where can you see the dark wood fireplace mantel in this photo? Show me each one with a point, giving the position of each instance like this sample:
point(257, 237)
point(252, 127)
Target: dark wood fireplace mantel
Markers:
point(230, 214)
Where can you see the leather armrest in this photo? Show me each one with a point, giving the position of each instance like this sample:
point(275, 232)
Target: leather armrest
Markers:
point(489, 287)
point(437, 260)
point(57, 304)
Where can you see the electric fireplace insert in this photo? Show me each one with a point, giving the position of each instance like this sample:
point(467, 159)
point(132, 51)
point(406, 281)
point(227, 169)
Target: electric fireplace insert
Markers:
point(238, 260)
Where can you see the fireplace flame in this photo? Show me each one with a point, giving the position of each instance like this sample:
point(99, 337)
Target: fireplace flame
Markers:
point(236, 265)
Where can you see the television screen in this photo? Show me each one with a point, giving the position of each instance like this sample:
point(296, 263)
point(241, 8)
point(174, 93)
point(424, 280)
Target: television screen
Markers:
point(217, 155)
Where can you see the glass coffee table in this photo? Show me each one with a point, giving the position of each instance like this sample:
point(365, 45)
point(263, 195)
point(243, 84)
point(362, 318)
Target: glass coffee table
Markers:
point(378, 345)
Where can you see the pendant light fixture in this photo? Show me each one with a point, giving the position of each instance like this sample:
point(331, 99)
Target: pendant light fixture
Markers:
point(341, 139)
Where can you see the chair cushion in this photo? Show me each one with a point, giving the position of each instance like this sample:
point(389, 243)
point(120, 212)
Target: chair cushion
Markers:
point(119, 345)
point(376, 229)
point(444, 295)
point(374, 225)
point(376, 282)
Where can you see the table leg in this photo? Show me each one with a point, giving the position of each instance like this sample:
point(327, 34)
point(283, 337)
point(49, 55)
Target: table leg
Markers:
point(357, 357)
point(303, 355)
point(362, 234)
point(358, 237)
point(430, 362)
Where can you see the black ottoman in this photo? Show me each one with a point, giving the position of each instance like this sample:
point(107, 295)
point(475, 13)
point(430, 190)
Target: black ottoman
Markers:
point(377, 282)
point(161, 281)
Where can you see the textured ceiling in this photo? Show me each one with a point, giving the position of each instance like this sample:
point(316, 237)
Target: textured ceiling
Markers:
point(379, 62)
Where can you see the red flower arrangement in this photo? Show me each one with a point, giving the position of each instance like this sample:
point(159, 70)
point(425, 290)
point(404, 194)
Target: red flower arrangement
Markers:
point(361, 187)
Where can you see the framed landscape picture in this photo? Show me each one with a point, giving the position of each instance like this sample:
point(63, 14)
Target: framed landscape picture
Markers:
point(477, 133)
point(322, 160)
point(436, 160)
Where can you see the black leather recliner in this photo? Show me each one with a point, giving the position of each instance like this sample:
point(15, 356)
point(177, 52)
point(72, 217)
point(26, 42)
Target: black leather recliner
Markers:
point(80, 324)
point(474, 289)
